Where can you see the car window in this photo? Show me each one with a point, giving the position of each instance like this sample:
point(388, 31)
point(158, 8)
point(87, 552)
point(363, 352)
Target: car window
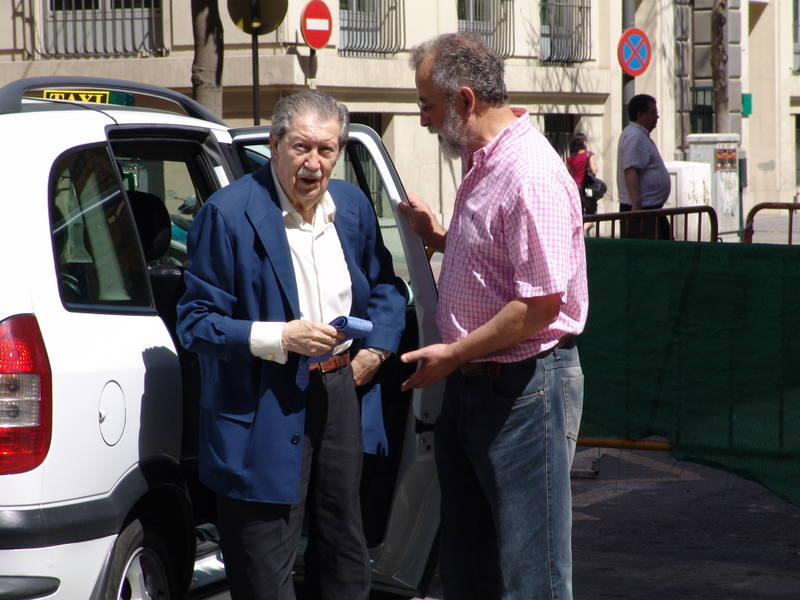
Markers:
point(171, 172)
point(97, 253)
point(358, 167)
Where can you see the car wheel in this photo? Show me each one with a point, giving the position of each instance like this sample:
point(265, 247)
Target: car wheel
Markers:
point(141, 567)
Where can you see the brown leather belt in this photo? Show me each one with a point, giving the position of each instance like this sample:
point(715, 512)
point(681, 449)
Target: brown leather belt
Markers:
point(334, 362)
point(495, 369)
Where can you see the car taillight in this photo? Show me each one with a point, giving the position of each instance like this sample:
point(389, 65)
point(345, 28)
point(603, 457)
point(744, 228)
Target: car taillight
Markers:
point(25, 395)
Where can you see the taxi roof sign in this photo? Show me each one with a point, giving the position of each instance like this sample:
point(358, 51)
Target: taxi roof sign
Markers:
point(98, 96)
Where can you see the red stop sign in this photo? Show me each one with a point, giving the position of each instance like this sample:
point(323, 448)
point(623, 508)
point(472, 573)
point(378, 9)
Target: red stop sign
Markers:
point(316, 24)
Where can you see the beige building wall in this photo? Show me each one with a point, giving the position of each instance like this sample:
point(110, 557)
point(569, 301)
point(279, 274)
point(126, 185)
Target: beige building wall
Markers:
point(590, 91)
point(366, 85)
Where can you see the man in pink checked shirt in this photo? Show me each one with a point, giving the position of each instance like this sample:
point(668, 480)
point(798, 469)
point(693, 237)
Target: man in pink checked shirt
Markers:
point(512, 296)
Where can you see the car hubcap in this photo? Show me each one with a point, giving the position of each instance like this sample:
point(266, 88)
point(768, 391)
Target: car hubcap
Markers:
point(144, 577)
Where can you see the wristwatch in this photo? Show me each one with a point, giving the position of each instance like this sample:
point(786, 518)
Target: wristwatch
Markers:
point(380, 353)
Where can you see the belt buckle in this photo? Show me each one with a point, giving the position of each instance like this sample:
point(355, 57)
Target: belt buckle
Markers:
point(336, 362)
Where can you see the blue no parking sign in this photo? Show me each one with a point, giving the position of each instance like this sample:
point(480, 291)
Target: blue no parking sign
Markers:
point(633, 51)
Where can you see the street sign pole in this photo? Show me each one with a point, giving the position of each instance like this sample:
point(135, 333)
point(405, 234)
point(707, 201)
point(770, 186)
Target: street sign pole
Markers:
point(628, 85)
point(315, 26)
point(256, 17)
point(312, 69)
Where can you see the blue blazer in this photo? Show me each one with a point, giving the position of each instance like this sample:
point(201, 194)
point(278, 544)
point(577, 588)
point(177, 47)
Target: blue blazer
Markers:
point(252, 413)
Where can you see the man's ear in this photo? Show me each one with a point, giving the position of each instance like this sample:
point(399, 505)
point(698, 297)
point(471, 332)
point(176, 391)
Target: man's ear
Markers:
point(273, 146)
point(466, 100)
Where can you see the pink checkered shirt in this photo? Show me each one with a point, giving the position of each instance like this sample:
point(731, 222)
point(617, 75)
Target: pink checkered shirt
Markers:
point(516, 232)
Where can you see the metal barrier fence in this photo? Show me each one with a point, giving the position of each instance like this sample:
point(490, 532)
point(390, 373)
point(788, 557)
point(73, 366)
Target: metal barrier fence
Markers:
point(680, 221)
point(749, 227)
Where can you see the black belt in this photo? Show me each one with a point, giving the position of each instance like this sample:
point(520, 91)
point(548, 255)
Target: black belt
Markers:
point(495, 369)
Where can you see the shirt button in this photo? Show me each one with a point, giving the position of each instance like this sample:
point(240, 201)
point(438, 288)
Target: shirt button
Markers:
point(296, 438)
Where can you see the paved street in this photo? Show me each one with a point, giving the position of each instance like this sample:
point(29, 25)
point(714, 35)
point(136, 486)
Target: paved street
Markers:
point(653, 528)
point(649, 527)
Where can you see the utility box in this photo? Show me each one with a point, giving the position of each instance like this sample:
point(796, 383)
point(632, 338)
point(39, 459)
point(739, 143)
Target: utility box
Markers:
point(721, 152)
point(691, 186)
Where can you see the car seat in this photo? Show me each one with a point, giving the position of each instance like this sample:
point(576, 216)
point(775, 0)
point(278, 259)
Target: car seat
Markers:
point(155, 232)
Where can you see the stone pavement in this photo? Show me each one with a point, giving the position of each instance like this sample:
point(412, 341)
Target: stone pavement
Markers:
point(649, 527)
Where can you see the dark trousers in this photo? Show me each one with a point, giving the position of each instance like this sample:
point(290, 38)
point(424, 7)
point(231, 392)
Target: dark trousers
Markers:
point(259, 540)
point(645, 227)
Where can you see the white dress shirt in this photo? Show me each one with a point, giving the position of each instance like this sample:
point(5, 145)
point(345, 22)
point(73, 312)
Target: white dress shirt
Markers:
point(323, 281)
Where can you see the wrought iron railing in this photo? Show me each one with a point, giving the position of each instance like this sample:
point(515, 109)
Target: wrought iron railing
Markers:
point(493, 20)
point(96, 28)
point(775, 229)
point(371, 27)
point(701, 117)
point(559, 128)
point(566, 31)
point(685, 223)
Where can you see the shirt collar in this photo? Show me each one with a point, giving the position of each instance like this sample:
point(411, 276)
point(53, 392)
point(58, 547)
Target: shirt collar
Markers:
point(642, 127)
point(326, 207)
point(516, 127)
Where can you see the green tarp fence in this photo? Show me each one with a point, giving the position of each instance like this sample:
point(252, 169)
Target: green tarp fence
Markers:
point(698, 343)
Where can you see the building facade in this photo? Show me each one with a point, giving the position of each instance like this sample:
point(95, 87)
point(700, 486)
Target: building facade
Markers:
point(561, 64)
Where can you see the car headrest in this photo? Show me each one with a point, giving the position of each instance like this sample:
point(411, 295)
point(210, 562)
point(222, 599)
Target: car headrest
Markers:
point(153, 223)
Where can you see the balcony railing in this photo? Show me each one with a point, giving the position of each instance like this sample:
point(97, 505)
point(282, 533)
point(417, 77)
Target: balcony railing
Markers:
point(566, 31)
point(96, 28)
point(371, 27)
point(493, 20)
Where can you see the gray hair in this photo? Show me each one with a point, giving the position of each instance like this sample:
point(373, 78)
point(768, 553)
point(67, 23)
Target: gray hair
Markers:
point(310, 101)
point(462, 59)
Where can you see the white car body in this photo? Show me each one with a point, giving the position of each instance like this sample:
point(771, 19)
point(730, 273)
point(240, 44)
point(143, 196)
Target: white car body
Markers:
point(115, 453)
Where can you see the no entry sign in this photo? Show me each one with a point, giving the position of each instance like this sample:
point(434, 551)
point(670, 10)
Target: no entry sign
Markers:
point(633, 51)
point(316, 24)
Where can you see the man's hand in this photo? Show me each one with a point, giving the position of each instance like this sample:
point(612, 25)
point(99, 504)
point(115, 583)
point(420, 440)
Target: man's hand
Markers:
point(422, 221)
point(365, 364)
point(436, 362)
point(309, 338)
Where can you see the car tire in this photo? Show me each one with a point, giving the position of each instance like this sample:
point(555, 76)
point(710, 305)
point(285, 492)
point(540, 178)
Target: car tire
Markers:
point(141, 567)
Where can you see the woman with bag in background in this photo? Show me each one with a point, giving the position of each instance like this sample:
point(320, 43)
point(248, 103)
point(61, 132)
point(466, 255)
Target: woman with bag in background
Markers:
point(582, 165)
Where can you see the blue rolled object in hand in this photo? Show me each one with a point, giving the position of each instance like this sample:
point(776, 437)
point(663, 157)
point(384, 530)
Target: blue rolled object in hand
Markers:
point(353, 328)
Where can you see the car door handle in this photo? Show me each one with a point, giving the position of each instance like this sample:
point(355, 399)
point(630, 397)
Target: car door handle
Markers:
point(422, 426)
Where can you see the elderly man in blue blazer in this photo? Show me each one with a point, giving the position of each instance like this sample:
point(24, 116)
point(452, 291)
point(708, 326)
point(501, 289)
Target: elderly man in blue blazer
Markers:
point(273, 259)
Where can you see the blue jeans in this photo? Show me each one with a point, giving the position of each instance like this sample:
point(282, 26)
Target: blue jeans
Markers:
point(504, 447)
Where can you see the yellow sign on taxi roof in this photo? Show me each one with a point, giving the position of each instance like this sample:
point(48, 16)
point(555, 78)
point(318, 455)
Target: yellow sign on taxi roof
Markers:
point(100, 96)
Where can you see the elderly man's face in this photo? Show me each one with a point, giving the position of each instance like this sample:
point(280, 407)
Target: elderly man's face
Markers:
point(304, 159)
